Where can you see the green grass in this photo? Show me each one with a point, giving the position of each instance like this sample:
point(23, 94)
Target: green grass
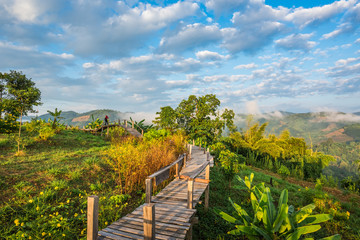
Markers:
point(212, 226)
point(43, 193)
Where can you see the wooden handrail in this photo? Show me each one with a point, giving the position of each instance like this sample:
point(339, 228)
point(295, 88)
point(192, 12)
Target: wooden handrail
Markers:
point(161, 175)
point(181, 157)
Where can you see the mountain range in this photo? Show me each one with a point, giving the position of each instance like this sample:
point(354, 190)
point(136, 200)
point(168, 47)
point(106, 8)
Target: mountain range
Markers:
point(313, 127)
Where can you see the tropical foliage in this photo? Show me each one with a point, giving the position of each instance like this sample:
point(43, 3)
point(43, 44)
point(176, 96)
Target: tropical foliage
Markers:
point(270, 222)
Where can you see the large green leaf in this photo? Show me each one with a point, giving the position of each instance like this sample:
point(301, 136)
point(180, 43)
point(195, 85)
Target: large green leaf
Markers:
point(258, 192)
point(303, 213)
point(266, 220)
point(303, 230)
point(254, 202)
point(281, 217)
point(251, 177)
point(263, 233)
point(314, 219)
point(241, 212)
point(286, 225)
point(271, 207)
point(243, 229)
point(227, 217)
point(333, 237)
point(283, 199)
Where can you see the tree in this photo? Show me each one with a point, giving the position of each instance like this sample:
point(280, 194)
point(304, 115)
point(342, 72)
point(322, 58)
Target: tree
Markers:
point(56, 115)
point(18, 96)
point(198, 116)
point(166, 118)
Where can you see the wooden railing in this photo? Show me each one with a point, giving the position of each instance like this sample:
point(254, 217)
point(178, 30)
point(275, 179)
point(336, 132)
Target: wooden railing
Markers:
point(156, 179)
point(163, 174)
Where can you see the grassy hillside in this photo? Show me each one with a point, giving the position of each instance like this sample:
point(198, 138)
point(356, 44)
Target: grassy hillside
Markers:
point(43, 193)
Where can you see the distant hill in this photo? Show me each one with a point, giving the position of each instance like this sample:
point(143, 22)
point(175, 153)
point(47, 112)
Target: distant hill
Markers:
point(313, 127)
point(81, 119)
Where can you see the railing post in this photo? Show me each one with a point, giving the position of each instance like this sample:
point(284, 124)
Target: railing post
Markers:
point(132, 123)
point(185, 159)
point(207, 172)
point(177, 170)
point(149, 221)
point(207, 190)
point(142, 132)
point(125, 121)
point(193, 142)
point(200, 146)
point(148, 183)
point(92, 217)
point(190, 152)
point(119, 122)
point(190, 194)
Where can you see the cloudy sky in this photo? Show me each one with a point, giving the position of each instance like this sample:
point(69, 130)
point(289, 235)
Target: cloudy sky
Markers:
point(136, 56)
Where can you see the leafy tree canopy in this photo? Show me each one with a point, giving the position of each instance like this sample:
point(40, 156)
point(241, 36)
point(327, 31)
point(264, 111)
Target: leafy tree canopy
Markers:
point(18, 94)
point(198, 116)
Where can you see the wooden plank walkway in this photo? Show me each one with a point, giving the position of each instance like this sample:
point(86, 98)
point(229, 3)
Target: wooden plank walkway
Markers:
point(173, 216)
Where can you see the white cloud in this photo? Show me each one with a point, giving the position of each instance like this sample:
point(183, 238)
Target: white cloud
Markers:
point(250, 39)
point(224, 78)
point(306, 16)
point(343, 62)
point(189, 37)
point(212, 56)
point(119, 34)
point(246, 66)
point(224, 6)
point(296, 41)
point(357, 40)
point(29, 11)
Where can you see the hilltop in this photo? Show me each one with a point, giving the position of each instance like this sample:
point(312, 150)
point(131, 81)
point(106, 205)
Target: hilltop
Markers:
point(81, 119)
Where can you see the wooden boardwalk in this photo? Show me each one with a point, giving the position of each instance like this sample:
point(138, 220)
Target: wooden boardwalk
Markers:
point(173, 208)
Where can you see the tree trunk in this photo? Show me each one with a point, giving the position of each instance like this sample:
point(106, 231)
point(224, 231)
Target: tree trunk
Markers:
point(21, 113)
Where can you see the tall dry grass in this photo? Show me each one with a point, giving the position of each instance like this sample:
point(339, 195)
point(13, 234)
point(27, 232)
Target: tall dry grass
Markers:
point(134, 159)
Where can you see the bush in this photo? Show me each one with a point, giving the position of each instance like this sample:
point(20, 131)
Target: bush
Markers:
point(283, 171)
point(229, 163)
point(8, 124)
point(161, 134)
point(269, 222)
point(46, 132)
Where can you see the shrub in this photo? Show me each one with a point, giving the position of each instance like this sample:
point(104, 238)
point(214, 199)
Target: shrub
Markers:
point(283, 171)
point(229, 163)
point(8, 124)
point(270, 222)
point(161, 134)
point(46, 132)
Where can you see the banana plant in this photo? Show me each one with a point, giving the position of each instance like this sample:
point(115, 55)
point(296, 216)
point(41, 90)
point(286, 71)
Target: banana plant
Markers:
point(140, 125)
point(56, 115)
point(270, 222)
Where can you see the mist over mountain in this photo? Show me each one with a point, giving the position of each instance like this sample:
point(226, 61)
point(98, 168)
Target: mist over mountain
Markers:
point(314, 127)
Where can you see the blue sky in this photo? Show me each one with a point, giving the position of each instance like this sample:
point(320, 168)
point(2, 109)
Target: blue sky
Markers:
point(256, 56)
